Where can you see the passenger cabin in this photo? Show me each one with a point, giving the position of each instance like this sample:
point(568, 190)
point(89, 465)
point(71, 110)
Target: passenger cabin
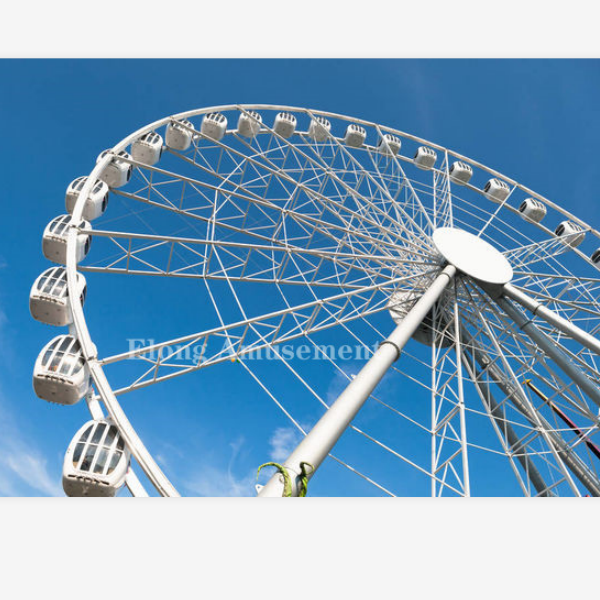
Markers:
point(61, 374)
point(177, 136)
point(389, 144)
point(49, 297)
point(54, 240)
point(285, 124)
point(496, 190)
point(460, 172)
point(425, 158)
point(148, 148)
point(117, 172)
point(595, 258)
point(355, 135)
point(532, 210)
point(96, 462)
point(96, 202)
point(319, 129)
point(249, 124)
point(214, 126)
point(572, 233)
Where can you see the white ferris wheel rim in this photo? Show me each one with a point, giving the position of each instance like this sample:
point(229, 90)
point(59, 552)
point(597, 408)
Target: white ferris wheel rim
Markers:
point(80, 328)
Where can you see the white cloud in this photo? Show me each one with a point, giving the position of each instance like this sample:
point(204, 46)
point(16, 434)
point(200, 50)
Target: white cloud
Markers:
point(210, 480)
point(213, 482)
point(283, 441)
point(23, 467)
point(340, 381)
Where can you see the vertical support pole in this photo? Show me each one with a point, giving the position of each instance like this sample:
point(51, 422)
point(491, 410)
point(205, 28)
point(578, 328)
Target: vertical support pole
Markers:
point(434, 382)
point(314, 448)
point(461, 400)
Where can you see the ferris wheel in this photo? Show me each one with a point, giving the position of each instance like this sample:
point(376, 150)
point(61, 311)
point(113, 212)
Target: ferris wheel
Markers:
point(381, 253)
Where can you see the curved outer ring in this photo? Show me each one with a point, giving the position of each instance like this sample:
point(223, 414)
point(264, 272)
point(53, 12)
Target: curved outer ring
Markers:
point(135, 444)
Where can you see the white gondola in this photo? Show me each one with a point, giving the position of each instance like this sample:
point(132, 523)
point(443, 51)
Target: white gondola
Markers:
point(148, 148)
point(177, 136)
point(460, 172)
point(496, 190)
point(595, 258)
point(214, 126)
point(572, 233)
point(425, 157)
point(355, 135)
point(49, 297)
point(532, 210)
point(319, 129)
point(61, 374)
point(389, 144)
point(285, 124)
point(96, 462)
point(96, 202)
point(118, 172)
point(249, 124)
point(54, 241)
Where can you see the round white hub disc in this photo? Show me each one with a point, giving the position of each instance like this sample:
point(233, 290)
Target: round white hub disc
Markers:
point(472, 256)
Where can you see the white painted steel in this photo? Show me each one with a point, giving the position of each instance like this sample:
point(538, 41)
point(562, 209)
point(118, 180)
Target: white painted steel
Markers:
point(323, 436)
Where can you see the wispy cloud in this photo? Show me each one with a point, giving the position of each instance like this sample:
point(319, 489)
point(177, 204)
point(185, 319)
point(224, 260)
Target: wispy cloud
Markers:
point(30, 468)
point(210, 480)
point(283, 441)
point(23, 467)
point(340, 381)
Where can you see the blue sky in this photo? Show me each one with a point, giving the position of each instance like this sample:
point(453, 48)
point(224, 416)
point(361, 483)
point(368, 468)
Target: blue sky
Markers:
point(535, 121)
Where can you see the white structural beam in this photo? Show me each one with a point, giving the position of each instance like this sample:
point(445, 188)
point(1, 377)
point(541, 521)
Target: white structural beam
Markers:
point(551, 349)
point(515, 394)
point(554, 319)
point(324, 435)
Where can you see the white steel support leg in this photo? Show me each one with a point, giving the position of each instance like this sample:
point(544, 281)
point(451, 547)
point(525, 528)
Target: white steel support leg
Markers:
point(461, 401)
point(562, 324)
point(561, 450)
point(434, 386)
point(505, 429)
point(323, 436)
point(551, 349)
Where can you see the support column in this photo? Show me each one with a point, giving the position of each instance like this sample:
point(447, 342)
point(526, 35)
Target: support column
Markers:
point(589, 480)
point(554, 319)
point(315, 447)
point(498, 414)
point(551, 349)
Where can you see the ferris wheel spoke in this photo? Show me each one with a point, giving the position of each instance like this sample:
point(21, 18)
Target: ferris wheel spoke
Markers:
point(179, 356)
point(329, 203)
point(265, 238)
point(319, 164)
point(526, 256)
point(313, 224)
point(563, 455)
point(242, 254)
point(380, 191)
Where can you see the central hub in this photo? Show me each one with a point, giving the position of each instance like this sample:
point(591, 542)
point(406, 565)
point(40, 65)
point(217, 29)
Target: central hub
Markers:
point(472, 256)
